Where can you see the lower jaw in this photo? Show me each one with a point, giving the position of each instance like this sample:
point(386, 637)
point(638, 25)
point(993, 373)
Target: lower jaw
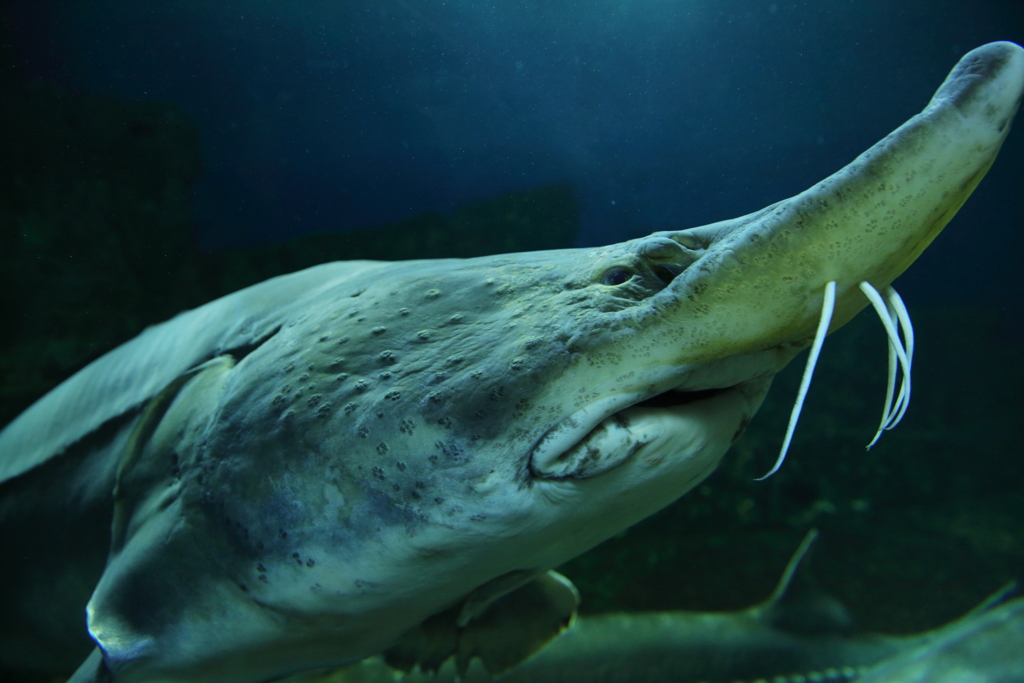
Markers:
point(649, 433)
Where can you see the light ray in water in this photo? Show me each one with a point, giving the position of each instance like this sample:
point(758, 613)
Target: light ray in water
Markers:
point(891, 310)
point(827, 306)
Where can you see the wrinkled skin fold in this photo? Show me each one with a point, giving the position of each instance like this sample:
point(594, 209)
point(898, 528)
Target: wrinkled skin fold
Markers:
point(318, 468)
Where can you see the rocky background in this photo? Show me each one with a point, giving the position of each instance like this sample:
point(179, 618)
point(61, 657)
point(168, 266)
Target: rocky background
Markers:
point(96, 242)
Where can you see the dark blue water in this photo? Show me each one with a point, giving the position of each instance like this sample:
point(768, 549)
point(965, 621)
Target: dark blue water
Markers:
point(320, 115)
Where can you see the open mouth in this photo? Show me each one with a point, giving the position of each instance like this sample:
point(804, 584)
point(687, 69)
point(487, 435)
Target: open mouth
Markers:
point(601, 436)
point(674, 397)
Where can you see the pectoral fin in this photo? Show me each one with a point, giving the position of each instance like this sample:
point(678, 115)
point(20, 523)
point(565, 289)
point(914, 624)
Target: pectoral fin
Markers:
point(519, 624)
point(92, 670)
point(511, 627)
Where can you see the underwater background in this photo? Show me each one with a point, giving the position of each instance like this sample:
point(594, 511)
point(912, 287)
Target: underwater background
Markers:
point(155, 155)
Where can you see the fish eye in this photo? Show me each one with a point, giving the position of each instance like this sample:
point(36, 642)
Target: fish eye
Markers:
point(616, 276)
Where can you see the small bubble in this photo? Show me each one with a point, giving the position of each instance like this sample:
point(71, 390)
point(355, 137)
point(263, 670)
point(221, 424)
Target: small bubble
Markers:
point(432, 293)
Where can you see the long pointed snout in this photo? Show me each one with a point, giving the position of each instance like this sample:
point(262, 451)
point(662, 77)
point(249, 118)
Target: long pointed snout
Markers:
point(758, 280)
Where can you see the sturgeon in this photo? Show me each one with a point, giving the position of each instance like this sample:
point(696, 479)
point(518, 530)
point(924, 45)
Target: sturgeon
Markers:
point(798, 634)
point(365, 457)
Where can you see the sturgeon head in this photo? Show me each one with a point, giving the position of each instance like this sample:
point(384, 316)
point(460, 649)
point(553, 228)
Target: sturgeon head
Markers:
point(389, 438)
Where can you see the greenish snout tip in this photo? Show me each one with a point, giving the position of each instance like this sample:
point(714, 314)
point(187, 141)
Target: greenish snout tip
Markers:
point(760, 277)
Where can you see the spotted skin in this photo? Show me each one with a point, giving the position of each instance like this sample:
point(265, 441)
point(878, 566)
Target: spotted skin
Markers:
point(302, 473)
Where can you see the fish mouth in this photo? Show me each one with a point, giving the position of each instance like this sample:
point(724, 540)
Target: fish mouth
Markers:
point(605, 434)
point(676, 397)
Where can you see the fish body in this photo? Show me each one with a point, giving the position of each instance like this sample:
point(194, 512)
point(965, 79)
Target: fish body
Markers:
point(798, 634)
point(365, 457)
point(986, 646)
point(983, 647)
point(798, 630)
